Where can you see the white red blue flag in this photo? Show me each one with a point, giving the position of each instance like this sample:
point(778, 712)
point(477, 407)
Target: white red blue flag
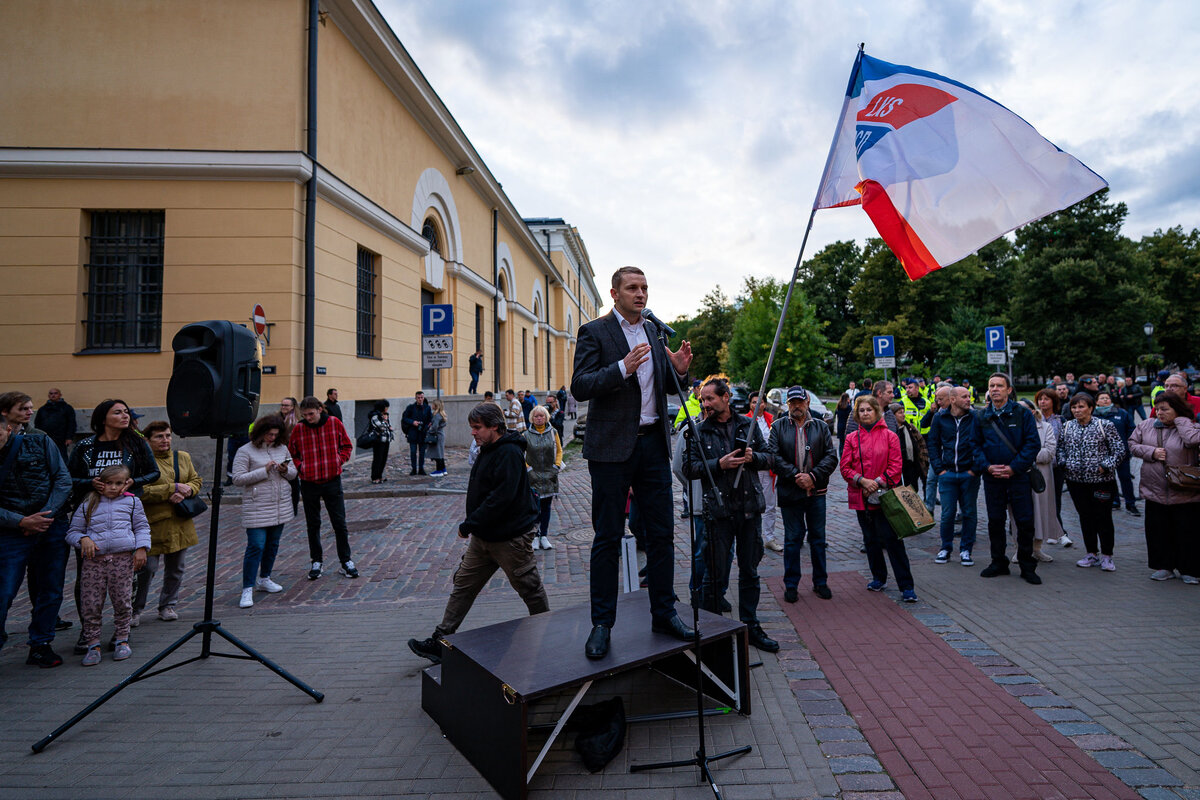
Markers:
point(939, 168)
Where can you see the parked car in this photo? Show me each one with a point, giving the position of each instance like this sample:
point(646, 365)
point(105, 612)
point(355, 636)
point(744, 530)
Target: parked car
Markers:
point(739, 399)
point(777, 404)
point(581, 422)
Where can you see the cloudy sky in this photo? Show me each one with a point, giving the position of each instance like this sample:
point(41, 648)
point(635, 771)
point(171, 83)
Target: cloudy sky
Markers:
point(688, 137)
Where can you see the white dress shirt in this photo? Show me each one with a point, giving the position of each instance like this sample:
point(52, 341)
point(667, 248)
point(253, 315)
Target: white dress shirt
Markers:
point(635, 334)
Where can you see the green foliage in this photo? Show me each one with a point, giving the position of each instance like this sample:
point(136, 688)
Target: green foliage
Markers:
point(1072, 287)
point(802, 347)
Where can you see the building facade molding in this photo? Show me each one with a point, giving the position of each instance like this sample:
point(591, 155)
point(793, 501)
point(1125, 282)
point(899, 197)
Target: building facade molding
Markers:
point(433, 193)
point(33, 162)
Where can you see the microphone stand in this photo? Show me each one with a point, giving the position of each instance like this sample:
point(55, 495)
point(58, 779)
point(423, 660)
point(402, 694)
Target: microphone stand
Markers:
point(701, 760)
point(205, 629)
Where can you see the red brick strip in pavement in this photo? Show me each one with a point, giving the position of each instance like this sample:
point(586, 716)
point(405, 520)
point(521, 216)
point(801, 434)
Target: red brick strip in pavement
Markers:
point(940, 727)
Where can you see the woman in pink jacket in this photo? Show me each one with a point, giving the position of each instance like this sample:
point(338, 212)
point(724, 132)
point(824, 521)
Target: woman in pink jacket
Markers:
point(871, 462)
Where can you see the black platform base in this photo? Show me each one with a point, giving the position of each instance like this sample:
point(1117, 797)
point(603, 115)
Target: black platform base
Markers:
point(480, 694)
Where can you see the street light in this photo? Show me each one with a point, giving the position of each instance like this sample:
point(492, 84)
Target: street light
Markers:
point(1148, 328)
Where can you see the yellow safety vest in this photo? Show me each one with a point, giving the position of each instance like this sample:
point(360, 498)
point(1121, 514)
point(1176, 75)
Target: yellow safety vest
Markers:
point(914, 413)
point(1155, 392)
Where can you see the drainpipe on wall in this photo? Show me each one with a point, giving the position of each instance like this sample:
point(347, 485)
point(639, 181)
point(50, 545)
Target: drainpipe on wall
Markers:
point(549, 341)
point(496, 302)
point(310, 207)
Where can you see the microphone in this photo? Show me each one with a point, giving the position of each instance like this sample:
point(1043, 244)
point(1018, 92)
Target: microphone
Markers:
point(648, 315)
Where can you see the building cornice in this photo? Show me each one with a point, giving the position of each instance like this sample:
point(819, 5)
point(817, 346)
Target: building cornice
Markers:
point(29, 162)
point(339, 194)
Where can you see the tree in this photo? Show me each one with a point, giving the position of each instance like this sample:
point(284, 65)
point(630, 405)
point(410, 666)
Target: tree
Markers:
point(1076, 298)
point(712, 328)
point(1169, 264)
point(802, 349)
point(827, 279)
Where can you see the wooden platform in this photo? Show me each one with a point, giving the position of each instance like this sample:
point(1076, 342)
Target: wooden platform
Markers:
point(480, 694)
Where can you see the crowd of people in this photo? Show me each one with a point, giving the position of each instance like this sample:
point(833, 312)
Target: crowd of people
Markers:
point(123, 499)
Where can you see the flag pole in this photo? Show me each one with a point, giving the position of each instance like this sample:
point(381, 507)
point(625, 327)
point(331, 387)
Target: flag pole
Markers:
point(787, 300)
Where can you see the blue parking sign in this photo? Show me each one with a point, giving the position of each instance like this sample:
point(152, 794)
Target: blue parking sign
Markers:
point(884, 346)
point(437, 320)
point(993, 339)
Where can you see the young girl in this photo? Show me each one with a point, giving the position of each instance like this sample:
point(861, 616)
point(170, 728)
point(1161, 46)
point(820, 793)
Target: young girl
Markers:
point(112, 534)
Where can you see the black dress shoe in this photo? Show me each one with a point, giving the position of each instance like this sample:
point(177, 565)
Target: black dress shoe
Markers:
point(790, 595)
point(1031, 576)
point(674, 627)
point(759, 639)
point(994, 569)
point(723, 604)
point(61, 624)
point(823, 592)
point(597, 643)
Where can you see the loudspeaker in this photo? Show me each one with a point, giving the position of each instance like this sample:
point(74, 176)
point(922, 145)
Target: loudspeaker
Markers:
point(215, 381)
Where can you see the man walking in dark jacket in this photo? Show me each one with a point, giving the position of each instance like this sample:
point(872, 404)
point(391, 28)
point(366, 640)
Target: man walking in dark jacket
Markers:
point(57, 419)
point(955, 459)
point(502, 517)
point(415, 423)
point(802, 449)
point(738, 522)
point(1009, 443)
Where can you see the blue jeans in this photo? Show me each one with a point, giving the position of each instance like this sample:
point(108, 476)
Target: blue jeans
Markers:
point(1126, 479)
point(931, 489)
point(262, 545)
point(45, 556)
point(959, 489)
point(805, 518)
point(698, 569)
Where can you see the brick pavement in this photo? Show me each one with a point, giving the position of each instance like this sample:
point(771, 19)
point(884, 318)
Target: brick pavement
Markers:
point(1122, 690)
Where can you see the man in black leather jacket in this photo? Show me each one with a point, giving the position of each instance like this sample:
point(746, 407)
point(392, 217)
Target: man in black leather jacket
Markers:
point(739, 519)
point(802, 449)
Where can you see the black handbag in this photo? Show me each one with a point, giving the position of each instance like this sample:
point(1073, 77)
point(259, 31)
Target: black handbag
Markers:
point(1037, 481)
point(189, 506)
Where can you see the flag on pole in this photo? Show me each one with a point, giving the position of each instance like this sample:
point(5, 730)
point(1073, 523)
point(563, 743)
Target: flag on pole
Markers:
point(939, 168)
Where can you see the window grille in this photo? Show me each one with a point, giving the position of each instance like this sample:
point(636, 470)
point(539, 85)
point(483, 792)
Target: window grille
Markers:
point(366, 316)
point(125, 280)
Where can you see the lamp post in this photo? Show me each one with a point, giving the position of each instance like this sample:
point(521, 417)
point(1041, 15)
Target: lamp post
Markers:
point(1148, 328)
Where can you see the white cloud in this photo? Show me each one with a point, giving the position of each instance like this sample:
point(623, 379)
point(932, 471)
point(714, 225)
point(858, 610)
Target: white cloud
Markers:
point(688, 137)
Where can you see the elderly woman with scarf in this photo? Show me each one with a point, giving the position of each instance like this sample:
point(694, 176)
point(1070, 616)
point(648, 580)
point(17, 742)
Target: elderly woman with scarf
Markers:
point(543, 459)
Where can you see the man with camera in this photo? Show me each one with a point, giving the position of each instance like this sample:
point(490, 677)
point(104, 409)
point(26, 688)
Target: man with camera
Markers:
point(733, 447)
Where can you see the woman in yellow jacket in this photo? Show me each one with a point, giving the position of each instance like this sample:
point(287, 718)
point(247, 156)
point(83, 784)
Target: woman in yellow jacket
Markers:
point(170, 534)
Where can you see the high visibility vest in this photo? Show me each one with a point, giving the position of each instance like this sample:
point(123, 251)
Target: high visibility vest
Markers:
point(914, 413)
point(1155, 392)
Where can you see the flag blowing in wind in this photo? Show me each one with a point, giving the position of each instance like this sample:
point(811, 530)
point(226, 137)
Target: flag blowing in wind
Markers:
point(939, 168)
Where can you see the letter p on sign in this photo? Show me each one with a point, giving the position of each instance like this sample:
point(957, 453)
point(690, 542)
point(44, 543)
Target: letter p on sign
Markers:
point(437, 320)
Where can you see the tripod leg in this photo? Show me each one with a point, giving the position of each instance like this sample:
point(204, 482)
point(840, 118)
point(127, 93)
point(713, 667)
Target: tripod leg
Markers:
point(104, 698)
point(269, 664)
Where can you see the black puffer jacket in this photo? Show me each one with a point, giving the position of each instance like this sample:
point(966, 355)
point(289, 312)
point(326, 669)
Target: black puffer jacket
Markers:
point(38, 480)
point(500, 504)
point(821, 457)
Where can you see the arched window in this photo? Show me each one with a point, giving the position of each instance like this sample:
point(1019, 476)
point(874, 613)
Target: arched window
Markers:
point(430, 231)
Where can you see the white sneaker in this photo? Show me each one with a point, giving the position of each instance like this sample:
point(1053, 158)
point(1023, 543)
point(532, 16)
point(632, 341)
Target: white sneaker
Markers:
point(1065, 540)
point(942, 557)
point(1106, 564)
point(1052, 541)
point(964, 558)
point(267, 585)
point(1162, 575)
point(1189, 580)
point(247, 598)
point(135, 620)
point(537, 543)
point(1090, 560)
point(546, 543)
point(774, 545)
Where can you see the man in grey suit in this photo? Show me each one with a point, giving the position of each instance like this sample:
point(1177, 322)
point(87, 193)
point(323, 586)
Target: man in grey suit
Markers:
point(624, 371)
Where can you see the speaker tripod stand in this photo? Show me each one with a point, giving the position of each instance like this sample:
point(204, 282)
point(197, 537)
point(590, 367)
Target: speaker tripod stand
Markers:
point(205, 629)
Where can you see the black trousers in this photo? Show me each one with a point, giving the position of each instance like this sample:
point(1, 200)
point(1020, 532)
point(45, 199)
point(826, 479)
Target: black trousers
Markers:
point(1171, 540)
point(330, 493)
point(722, 536)
point(379, 454)
point(648, 472)
point(881, 538)
point(1093, 501)
point(1000, 495)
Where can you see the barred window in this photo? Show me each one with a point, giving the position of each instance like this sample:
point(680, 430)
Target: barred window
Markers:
point(125, 280)
point(367, 317)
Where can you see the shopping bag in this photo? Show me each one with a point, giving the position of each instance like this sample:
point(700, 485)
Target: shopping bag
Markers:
point(905, 511)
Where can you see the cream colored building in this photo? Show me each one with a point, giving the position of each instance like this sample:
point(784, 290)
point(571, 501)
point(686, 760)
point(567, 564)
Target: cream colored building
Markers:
point(155, 169)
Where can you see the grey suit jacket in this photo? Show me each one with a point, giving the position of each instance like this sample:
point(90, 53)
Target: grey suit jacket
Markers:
point(615, 403)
